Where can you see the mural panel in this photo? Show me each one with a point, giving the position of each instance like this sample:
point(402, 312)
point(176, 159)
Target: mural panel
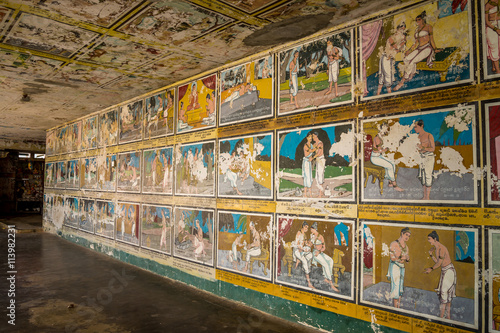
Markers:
point(131, 122)
point(425, 270)
point(244, 243)
point(246, 166)
point(492, 120)
point(87, 215)
point(73, 174)
point(156, 228)
point(316, 255)
point(317, 162)
point(426, 157)
point(71, 212)
point(89, 133)
point(194, 167)
point(108, 128)
point(106, 173)
point(158, 171)
point(61, 174)
point(490, 39)
point(48, 204)
point(159, 114)
point(50, 175)
point(105, 219)
point(247, 91)
point(50, 143)
point(89, 173)
point(129, 172)
point(194, 235)
point(424, 48)
point(127, 223)
point(316, 74)
point(197, 105)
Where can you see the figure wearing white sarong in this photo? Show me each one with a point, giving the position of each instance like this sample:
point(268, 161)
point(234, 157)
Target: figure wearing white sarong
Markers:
point(199, 245)
point(233, 254)
point(447, 284)
point(492, 33)
point(302, 252)
point(395, 44)
point(419, 54)
point(163, 239)
point(307, 165)
point(320, 257)
point(426, 149)
point(399, 256)
point(254, 247)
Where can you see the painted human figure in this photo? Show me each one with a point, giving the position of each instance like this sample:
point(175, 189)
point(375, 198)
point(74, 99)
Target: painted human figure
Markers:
point(254, 248)
point(333, 54)
point(320, 257)
point(378, 158)
point(302, 252)
point(193, 98)
point(493, 33)
point(233, 254)
point(182, 234)
point(426, 149)
point(199, 245)
point(232, 172)
point(448, 280)
point(319, 158)
point(399, 256)
point(395, 44)
point(307, 165)
point(423, 48)
point(294, 79)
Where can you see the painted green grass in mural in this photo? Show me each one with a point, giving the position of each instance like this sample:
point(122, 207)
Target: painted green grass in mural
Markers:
point(318, 82)
point(330, 172)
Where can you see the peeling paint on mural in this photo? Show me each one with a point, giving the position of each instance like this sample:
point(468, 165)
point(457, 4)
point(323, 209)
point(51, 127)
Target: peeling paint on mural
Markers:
point(428, 46)
point(194, 234)
point(71, 212)
point(87, 215)
point(244, 243)
point(129, 172)
point(89, 133)
point(127, 223)
point(50, 175)
point(194, 168)
point(425, 270)
point(247, 91)
point(105, 219)
point(108, 128)
point(159, 115)
point(425, 156)
point(246, 167)
point(316, 162)
point(197, 105)
point(492, 120)
point(316, 74)
point(316, 255)
point(48, 204)
point(156, 228)
point(50, 143)
point(131, 122)
point(61, 170)
point(158, 170)
point(89, 173)
point(106, 173)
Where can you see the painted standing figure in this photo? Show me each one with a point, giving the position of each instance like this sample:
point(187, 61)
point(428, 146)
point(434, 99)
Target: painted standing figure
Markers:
point(426, 149)
point(493, 33)
point(400, 256)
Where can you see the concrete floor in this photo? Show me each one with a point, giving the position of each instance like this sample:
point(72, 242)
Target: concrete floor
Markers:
point(62, 287)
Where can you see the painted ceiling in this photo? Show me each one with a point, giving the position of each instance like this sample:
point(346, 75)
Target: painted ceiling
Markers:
point(63, 59)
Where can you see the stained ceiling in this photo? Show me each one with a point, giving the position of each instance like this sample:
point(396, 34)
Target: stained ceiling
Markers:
point(63, 59)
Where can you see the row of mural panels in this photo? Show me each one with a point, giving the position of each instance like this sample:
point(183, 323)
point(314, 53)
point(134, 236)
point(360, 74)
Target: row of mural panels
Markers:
point(423, 48)
point(426, 270)
point(426, 156)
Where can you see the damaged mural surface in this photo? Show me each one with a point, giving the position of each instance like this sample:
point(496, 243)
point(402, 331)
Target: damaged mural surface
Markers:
point(131, 122)
point(316, 74)
point(127, 222)
point(194, 168)
point(427, 156)
point(421, 269)
point(108, 128)
point(492, 118)
point(156, 228)
point(158, 171)
point(129, 172)
point(159, 114)
point(244, 243)
point(105, 219)
point(246, 167)
point(428, 46)
point(194, 234)
point(247, 92)
point(317, 162)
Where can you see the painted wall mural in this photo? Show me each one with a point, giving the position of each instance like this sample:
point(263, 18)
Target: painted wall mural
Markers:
point(106, 173)
point(131, 122)
point(246, 167)
point(158, 170)
point(490, 39)
point(428, 46)
point(89, 133)
point(426, 270)
point(316, 74)
point(247, 92)
point(423, 156)
point(194, 234)
point(127, 222)
point(316, 255)
point(317, 162)
point(244, 243)
point(197, 105)
point(87, 215)
point(89, 173)
point(71, 211)
point(195, 169)
point(129, 172)
point(492, 120)
point(493, 280)
point(108, 128)
point(73, 174)
point(105, 218)
point(156, 228)
point(159, 114)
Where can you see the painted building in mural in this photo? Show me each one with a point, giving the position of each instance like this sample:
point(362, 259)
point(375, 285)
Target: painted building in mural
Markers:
point(353, 174)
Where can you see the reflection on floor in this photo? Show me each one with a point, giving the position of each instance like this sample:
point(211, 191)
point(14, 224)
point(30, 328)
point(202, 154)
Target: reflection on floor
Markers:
point(421, 301)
